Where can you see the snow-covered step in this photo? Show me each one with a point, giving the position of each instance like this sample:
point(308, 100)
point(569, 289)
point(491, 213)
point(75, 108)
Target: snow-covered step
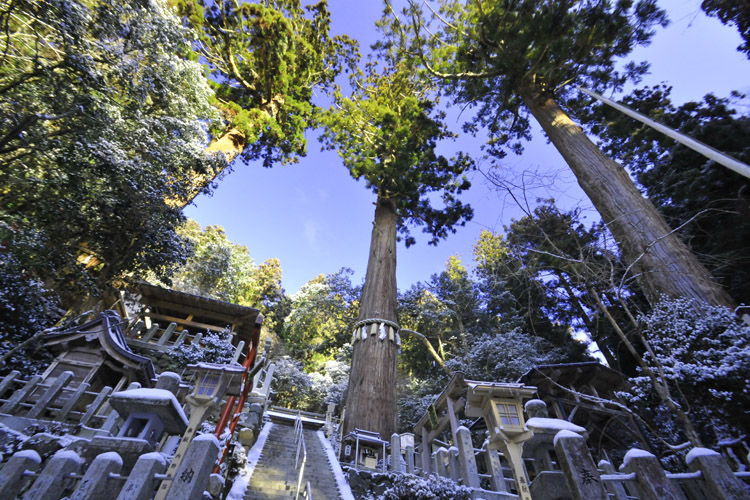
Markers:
point(274, 476)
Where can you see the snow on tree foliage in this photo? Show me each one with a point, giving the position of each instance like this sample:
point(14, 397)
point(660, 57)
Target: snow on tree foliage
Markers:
point(503, 357)
point(409, 487)
point(216, 348)
point(103, 119)
point(25, 310)
point(704, 352)
point(293, 388)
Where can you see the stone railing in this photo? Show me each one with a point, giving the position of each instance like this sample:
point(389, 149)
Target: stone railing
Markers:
point(67, 475)
point(574, 474)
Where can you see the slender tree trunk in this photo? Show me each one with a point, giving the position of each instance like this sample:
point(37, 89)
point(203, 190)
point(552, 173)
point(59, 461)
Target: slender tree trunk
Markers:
point(659, 381)
point(603, 348)
point(371, 396)
point(660, 260)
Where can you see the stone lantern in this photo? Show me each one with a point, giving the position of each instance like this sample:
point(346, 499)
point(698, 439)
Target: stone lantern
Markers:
point(501, 406)
point(148, 414)
point(212, 383)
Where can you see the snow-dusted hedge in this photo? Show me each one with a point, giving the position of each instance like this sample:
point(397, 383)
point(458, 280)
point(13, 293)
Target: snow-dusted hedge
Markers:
point(409, 487)
point(704, 352)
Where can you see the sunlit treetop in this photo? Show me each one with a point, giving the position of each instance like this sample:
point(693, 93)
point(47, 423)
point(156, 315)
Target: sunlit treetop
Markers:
point(387, 133)
point(486, 53)
point(266, 59)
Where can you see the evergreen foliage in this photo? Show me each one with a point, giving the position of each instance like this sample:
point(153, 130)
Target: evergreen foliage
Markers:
point(735, 12)
point(223, 270)
point(486, 54)
point(265, 58)
point(386, 133)
point(322, 315)
point(101, 121)
point(703, 352)
point(26, 309)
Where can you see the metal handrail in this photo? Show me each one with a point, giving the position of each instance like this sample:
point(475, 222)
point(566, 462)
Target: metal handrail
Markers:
point(299, 438)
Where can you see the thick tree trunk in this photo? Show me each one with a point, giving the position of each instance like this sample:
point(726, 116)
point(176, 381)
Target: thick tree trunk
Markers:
point(230, 145)
point(662, 263)
point(371, 397)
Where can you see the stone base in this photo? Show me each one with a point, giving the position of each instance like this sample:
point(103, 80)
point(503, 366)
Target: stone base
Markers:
point(128, 448)
point(549, 485)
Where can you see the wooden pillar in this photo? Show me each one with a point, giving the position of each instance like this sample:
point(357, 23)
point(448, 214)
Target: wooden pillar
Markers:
point(20, 395)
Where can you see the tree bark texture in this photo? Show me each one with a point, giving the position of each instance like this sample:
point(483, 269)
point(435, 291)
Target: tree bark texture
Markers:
point(231, 145)
point(371, 396)
point(662, 263)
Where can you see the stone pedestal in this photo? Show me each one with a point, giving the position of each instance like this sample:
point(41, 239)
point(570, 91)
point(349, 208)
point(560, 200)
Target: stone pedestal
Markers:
point(96, 483)
point(141, 482)
point(468, 463)
point(719, 480)
point(650, 479)
point(192, 476)
point(579, 469)
point(396, 453)
point(11, 475)
point(55, 476)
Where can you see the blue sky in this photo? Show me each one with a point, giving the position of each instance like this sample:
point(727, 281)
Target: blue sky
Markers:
point(316, 219)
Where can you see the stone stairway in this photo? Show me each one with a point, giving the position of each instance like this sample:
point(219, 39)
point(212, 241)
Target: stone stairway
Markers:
point(275, 477)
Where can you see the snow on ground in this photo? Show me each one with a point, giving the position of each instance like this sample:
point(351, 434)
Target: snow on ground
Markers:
point(344, 490)
point(239, 488)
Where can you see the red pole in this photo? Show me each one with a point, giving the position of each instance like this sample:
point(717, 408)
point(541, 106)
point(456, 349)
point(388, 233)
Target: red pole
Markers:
point(230, 406)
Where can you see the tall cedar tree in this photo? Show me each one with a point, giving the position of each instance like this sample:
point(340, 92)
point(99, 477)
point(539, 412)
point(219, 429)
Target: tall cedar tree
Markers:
point(386, 133)
point(265, 58)
point(707, 203)
point(512, 58)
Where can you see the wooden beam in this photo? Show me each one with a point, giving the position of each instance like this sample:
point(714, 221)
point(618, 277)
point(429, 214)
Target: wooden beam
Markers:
point(185, 322)
point(453, 419)
point(592, 407)
point(197, 311)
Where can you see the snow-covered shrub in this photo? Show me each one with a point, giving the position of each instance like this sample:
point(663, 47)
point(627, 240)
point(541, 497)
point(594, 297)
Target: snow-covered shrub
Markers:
point(216, 348)
point(26, 308)
point(292, 387)
point(332, 383)
point(410, 487)
point(502, 357)
point(704, 352)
